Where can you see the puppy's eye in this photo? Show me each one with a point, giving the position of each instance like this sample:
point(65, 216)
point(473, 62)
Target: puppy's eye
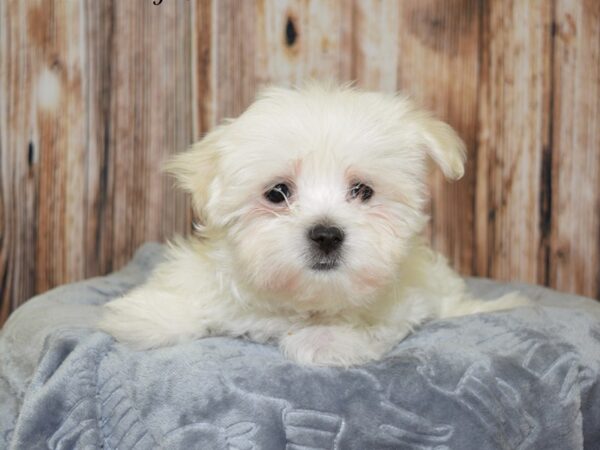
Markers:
point(278, 193)
point(362, 191)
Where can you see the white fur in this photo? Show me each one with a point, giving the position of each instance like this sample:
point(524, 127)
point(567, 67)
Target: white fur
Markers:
point(248, 274)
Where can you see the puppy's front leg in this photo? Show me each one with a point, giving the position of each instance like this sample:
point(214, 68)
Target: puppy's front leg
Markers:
point(339, 345)
point(151, 316)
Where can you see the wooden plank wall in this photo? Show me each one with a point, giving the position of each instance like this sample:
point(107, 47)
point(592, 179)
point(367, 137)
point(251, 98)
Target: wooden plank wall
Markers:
point(95, 94)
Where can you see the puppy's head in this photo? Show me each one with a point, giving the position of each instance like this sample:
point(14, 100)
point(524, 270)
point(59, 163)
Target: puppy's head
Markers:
point(318, 192)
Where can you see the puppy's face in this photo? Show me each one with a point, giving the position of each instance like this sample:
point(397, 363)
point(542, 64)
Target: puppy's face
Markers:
point(318, 192)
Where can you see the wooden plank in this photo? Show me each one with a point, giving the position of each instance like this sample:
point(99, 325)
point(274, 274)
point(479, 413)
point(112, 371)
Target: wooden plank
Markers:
point(204, 67)
point(19, 172)
point(372, 38)
point(437, 65)
point(59, 127)
point(100, 48)
point(514, 121)
point(150, 118)
point(298, 40)
point(43, 124)
point(575, 243)
point(261, 43)
point(95, 96)
point(235, 76)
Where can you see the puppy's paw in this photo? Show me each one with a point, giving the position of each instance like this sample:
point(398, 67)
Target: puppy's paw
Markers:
point(331, 346)
point(147, 319)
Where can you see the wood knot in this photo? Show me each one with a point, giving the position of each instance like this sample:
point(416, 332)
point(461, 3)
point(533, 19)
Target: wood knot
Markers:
point(291, 34)
point(30, 154)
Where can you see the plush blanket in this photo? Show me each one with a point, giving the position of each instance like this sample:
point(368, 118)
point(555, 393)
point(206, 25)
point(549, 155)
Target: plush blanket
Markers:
point(524, 379)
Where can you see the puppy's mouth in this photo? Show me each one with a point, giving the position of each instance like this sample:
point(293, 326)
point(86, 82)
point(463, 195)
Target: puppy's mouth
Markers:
point(326, 264)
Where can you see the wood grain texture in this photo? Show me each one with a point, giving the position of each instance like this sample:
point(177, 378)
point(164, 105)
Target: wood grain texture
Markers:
point(203, 67)
point(514, 119)
point(150, 118)
point(19, 174)
point(58, 130)
point(438, 67)
point(373, 52)
point(234, 36)
point(297, 40)
point(574, 261)
point(94, 95)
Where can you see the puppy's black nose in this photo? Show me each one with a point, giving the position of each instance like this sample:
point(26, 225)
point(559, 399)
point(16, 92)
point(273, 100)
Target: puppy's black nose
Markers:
point(327, 238)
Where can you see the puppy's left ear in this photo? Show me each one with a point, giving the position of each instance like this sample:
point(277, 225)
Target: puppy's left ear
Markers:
point(443, 145)
point(196, 170)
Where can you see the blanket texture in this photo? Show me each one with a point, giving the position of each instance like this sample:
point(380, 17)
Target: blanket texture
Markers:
point(524, 379)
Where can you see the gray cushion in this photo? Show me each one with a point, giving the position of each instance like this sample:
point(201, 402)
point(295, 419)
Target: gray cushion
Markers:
point(520, 379)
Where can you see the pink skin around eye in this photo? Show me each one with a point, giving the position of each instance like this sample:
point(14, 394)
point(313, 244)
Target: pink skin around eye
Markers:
point(260, 210)
point(261, 207)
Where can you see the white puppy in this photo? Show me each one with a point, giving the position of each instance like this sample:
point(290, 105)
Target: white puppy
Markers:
point(311, 205)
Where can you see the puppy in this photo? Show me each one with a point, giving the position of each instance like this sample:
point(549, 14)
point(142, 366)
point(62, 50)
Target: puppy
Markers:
point(312, 204)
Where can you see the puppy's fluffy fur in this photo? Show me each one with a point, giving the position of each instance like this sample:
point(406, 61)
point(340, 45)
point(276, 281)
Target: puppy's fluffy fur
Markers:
point(351, 165)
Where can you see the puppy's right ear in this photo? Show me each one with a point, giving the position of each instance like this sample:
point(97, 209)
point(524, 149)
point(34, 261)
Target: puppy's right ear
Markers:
point(196, 169)
point(443, 145)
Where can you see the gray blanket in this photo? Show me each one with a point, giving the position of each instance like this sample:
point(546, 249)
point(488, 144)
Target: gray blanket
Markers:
point(525, 379)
